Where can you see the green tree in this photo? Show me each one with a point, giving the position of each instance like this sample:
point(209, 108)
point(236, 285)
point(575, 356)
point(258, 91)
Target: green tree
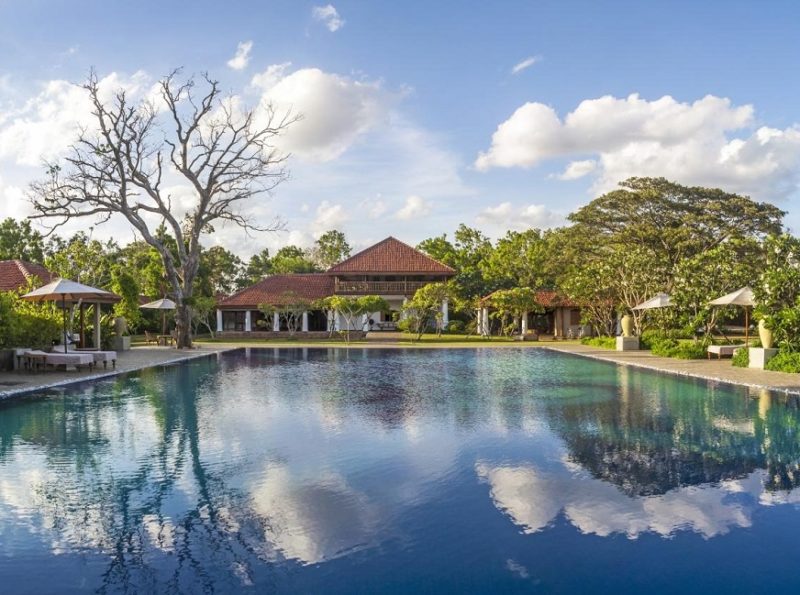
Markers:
point(672, 221)
point(710, 274)
point(220, 272)
point(520, 259)
point(777, 292)
point(18, 240)
point(330, 249)
point(511, 305)
point(258, 267)
point(292, 259)
point(467, 254)
point(84, 260)
point(124, 284)
point(424, 309)
point(290, 308)
point(352, 309)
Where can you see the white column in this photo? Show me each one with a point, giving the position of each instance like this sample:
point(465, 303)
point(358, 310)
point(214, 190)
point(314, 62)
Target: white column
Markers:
point(524, 323)
point(364, 319)
point(330, 316)
point(485, 321)
point(276, 322)
point(248, 322)
point(445, 313)
point(305, 322)
point(97, 326)
point(219, 321)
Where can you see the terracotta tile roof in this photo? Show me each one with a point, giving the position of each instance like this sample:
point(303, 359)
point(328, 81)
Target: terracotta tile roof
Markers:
point(272, 289)
point(391, 256)
point(14, 274)
point(548, 298)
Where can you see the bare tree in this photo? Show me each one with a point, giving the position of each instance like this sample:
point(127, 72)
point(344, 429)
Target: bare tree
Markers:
point(124, 163)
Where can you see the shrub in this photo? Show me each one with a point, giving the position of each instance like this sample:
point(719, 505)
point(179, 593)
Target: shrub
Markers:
point(785, 361)
point(604, 342)
point(455, 326)
point(666, 347)
point(741, 359)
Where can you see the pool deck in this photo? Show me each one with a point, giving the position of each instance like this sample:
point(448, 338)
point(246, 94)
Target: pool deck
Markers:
point(715, 370)
point(16, 383)
point(138, 358)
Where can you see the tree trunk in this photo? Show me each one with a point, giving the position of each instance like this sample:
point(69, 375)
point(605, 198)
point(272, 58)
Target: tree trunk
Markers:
point(183, 326)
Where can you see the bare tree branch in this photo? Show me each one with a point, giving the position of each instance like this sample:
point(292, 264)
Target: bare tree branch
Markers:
point(119, 167)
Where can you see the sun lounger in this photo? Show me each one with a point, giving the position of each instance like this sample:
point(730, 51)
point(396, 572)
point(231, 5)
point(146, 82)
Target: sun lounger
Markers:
point(67, 360)
point(99, 356)
point(723, 350)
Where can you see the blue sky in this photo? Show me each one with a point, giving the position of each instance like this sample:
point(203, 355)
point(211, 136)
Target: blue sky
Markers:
point(414, 120)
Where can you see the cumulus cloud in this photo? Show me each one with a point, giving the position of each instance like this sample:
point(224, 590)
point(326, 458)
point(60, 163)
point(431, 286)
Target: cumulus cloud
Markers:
point(533, 499)
point(329, 16)
point(578, 169)
point(414, 208)
point(507, 216)
point(334, 110)
point(242, 56)
point(709, 141)
point(328, 216)
point(48, 123)
point(525, 64)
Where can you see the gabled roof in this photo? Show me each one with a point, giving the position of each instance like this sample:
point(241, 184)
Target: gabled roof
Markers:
point(14, 274)
point(391, 256)
point(273, 290)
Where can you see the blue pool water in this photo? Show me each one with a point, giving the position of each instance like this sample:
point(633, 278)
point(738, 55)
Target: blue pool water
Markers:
point(399, 471)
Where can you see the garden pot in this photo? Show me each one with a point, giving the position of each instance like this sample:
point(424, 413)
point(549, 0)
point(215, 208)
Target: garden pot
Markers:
point(765, 335)
point(627, 326)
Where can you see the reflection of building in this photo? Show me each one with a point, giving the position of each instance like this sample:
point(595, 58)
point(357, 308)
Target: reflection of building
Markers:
point(390, 269)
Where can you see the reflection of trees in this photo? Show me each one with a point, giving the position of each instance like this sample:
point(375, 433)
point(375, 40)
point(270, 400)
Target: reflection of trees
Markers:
point(659, 433)
point(127, 514)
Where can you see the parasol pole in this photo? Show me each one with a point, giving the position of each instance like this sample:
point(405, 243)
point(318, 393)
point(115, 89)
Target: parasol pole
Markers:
point(747, 326)
point(64, 307)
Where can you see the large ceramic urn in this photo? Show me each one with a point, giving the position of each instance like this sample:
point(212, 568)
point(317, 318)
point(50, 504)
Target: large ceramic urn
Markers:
point(627, 326)
point(765, 335)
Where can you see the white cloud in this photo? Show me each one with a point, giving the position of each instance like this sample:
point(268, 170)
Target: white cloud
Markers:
point(506, 216)
point(533, 499)
point(47, 124)
point(328, 216)
point(709, 141)
point(242, 56)
point(578, 169)
point(414, 208)
point(525, 64)
point(374, 208)
point(335, 110)
point(329, 16)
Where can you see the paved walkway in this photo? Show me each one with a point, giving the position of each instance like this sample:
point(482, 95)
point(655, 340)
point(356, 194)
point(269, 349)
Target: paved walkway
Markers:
point(14, 383)
point(718, 370)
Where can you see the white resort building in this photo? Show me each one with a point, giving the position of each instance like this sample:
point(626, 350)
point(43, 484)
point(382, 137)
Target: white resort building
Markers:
point(390, 269)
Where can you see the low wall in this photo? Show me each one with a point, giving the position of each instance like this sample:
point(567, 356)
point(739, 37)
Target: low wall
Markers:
point(310, 335)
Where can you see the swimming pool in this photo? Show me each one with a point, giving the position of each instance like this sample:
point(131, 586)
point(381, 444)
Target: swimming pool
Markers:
point(311, 470)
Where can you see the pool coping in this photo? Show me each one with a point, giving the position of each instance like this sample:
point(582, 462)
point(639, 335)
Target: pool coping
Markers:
point(27, 390)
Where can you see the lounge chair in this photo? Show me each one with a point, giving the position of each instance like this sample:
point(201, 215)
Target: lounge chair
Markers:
point(99, 356)
point(67, 360)
point(148, 338)
point(723, 350)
